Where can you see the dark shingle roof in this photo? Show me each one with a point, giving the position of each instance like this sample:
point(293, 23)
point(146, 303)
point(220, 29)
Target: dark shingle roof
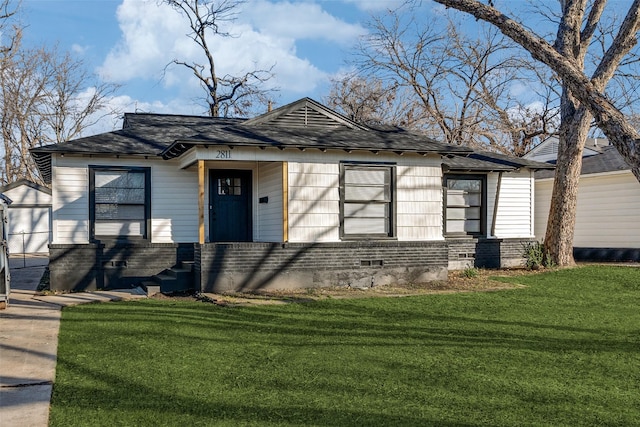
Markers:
point(609, 160)
point(304, 124)
point(486, 161)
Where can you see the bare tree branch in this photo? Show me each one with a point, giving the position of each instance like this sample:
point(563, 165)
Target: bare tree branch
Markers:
point(227, 95)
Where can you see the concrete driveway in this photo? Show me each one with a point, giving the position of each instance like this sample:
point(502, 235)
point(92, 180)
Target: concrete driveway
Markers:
point(29, 342)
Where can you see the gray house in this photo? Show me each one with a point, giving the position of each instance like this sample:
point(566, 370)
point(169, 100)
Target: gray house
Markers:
point(298, 197)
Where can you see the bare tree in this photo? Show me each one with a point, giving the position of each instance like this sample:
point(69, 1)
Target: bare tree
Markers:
point(225, 94)
point(368, 100)
point(582, 98)
point(46, 98)
point(462, 85)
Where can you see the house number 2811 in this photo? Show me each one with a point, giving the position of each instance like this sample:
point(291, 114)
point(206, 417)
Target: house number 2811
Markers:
point(223, 154)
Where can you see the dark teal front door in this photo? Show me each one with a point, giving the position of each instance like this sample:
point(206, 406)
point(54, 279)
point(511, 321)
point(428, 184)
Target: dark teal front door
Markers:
point(230, 206)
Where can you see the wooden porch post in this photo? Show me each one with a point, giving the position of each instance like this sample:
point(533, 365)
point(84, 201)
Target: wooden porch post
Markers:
point(201, 201)
point(285, 201)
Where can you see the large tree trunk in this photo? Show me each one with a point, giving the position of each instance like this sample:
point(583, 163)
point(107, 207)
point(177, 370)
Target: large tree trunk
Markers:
point(558, 240)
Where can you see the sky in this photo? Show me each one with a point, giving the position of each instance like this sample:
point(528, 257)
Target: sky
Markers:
point(130, 42)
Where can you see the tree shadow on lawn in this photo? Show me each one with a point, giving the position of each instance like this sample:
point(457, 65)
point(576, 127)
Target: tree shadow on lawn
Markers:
point(166, 407)
point(344, 323)
point(246, 336)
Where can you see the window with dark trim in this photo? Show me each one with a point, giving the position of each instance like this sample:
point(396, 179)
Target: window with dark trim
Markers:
point(119, 202)
point(464, 204)
point(366, 201)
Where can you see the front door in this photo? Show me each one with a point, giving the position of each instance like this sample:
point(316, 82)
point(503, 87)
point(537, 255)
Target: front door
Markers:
point(230, 206)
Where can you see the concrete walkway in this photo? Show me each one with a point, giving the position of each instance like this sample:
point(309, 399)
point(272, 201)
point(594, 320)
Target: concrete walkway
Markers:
point(29, 342)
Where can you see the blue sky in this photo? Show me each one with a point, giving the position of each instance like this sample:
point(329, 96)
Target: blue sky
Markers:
point(129, 42)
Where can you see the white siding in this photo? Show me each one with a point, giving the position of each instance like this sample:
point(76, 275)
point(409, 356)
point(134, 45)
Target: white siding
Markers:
point(70, 200)
point(174, 203)
point(174, 199)
point(606, 213)
point(314, 202)
point(269, 221)
point(25, 195)
point(514, 217)
point(419, 203)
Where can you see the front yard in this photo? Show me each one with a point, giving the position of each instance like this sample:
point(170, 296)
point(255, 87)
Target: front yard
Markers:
point(562, 350)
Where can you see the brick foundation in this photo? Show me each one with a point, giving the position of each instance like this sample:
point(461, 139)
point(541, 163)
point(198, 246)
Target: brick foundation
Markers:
point(223, 267)
point(253, 266)
point(110, 265)
point(486, 253)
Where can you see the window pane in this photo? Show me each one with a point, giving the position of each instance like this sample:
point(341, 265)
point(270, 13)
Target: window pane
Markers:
point(471, 185)
point(462, 213)
point(455, 226)
point(114, 211)
point(472, 226)
point(361, 210)
point(366, 193)
point(119, 228)
point(366, 176)
point(119, 195)
point(119, 179)
point(460, 198)
point(366, 226)
point(463, 226)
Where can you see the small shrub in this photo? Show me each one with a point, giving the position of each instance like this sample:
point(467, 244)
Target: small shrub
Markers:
point(470, 272)
point(535, 256)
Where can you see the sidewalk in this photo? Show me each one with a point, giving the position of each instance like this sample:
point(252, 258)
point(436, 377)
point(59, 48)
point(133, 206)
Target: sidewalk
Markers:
point(29, 342)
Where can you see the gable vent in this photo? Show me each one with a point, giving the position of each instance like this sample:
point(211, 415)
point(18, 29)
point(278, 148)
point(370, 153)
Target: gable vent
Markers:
point(548, 149)
point(306, 117)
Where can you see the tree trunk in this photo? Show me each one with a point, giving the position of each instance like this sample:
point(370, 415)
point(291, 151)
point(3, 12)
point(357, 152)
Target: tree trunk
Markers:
point(558, 240)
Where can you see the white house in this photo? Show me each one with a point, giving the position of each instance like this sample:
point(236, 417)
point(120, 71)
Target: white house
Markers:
point(607, 226)
point(29, 216)
point(298, 197)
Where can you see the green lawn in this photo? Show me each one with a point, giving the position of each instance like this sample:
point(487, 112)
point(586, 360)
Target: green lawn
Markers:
point(565, 350)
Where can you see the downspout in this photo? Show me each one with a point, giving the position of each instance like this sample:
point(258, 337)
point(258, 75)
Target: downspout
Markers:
point(495, 205)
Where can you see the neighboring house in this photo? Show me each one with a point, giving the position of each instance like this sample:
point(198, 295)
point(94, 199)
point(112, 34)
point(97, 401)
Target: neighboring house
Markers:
point(29, 217)
point(298, 197)
point(607, 226)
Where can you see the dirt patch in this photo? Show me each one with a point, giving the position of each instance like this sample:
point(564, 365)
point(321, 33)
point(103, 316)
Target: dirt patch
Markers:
point(458, 281)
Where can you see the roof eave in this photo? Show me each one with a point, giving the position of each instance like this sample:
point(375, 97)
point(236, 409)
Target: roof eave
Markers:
point(179, 147)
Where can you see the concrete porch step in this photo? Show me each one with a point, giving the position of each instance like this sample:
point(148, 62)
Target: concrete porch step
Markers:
point(176, 279)
point(150, 287)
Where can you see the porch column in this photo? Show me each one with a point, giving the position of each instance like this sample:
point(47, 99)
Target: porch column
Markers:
point(201, 201)
point(285, 201)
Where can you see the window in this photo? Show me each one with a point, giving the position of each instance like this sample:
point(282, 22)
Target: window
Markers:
point(229, 186)
point(464, 204)
point(366, 201)
point(119, 202)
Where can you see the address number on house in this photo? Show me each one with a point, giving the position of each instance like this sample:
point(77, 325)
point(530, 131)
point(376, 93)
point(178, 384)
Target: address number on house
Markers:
point(223, 154)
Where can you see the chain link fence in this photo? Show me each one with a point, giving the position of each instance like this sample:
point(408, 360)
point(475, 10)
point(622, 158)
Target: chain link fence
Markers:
point(28, 245)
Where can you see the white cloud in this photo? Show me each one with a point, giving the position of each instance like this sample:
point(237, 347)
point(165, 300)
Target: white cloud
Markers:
point(376, 5)
point(300, 21)
point(79, 49)
point(264, 35)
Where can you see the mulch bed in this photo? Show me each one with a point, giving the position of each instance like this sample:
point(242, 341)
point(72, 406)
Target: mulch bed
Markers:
point(476, 280)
